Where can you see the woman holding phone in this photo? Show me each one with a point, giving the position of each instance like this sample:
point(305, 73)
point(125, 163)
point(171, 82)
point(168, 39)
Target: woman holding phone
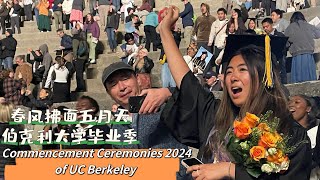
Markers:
point(198, 119)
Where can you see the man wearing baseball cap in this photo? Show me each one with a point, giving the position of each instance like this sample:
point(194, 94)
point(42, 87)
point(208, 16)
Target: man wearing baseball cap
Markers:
point(120, 82)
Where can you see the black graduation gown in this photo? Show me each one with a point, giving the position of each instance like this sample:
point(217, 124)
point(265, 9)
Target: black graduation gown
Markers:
point(190, 118)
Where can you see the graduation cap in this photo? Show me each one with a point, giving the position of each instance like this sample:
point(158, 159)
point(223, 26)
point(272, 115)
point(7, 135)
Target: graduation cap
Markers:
point(272, 45)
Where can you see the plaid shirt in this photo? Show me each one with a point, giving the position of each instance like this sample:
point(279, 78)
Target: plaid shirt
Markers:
point(12, 91)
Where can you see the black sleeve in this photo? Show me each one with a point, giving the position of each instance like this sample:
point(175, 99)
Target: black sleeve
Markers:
point(26, 101)
point(37, 103)
point(189, 113)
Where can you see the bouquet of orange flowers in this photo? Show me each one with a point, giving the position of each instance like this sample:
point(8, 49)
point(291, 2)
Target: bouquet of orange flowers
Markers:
point(256, 144)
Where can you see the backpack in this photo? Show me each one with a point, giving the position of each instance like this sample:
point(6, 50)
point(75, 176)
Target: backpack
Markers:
point(82, 48)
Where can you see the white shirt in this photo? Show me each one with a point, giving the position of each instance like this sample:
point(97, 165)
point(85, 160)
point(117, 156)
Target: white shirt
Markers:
point(218, 33)
point(189, 62)
point(27, 2)
point(61, 75)
point(67, 6)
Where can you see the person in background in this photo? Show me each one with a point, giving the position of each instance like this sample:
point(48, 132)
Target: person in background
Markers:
point(66, 9)
point(211, 81)
point(112, 26)
point(85, 103)
point(4, 12)
point(253, 27)
point(142, 65)
point(103, 8)
point(92, 29)
point(301, 38)
point(27, 6)
point(217, 36)
point(129, 49)
point(43, 19)
point(238, 20)
point(187, 20)
point(58, 79)
point(130, 14)
point(24, 68)
point(79, 60)
point(267, 25)
point(279, 23)
point(8, 47)
point(144, 9)
point(15, 16)
point(191, 52)
point(6, 110)
point(12, 88)
point(202, 26)
point(304, 111)
point(133, 27)
point(77, 12)
point(65, 43)
point(43, 103)
point(57, 14)
point(150, 30)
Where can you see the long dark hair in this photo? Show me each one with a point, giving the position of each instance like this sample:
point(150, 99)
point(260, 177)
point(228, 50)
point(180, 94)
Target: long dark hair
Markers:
point(60, 61)
point(91, 21)
point(258, 102)
point(296, 17)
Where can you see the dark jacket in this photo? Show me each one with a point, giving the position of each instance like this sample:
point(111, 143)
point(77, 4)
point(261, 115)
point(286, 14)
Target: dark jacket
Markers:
point(16, 9)
point(55, 6)
point(4, 10)
point(187, 15)
point(112, 21)
point(78, 5)
point(66, 42)
point(10, 161)
point(9, 45)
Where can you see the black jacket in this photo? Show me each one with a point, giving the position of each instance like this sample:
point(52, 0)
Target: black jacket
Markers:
point(4, 12)
point(3, 147)
point(8, 46)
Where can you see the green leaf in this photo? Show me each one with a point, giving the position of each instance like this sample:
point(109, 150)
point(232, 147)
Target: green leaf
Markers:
point(255, 172)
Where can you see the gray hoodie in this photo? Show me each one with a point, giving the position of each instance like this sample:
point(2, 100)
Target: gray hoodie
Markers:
point(301, 37)
point(47, 59)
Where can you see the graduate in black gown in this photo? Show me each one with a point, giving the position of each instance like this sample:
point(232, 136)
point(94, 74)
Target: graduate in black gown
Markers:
point(198, 119)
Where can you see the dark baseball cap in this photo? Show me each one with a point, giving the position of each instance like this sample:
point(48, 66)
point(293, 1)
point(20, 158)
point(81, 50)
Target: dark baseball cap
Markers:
point(108, 71)
point(209, 74)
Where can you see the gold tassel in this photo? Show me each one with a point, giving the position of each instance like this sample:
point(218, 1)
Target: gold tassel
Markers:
point(268, 77)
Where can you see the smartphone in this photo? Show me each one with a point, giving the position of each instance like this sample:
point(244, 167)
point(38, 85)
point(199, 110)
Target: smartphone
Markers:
point(135, 103)
point(190, 162)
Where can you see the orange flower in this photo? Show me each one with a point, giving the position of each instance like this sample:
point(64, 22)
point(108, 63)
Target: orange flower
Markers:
point(251, 119)
point(263, 127)
point(241, 130)
point(269, 140)
point(257, 152)
point(277, 158)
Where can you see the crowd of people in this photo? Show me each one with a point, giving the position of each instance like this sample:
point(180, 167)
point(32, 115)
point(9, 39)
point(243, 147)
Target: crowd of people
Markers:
point(184, 112)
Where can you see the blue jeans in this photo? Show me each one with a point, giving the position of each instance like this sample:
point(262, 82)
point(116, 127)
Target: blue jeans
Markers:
point(166, 77)
point(111, 38)
point(8, 62)
point(36, 13)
